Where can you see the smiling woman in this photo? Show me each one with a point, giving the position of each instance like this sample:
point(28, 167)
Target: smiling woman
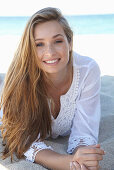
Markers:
point(50, 91)
point(52, 47)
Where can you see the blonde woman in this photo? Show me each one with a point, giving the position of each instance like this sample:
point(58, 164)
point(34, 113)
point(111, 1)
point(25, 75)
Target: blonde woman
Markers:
point(49, 91)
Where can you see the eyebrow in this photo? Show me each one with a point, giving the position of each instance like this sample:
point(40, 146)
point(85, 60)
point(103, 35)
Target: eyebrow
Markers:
point(37, 39)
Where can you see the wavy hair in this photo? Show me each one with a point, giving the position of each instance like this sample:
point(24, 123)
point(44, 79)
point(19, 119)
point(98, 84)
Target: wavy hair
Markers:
point(24, 101)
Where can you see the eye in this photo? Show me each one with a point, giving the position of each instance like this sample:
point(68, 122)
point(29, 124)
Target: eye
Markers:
point(39, 44)
point(59, 41)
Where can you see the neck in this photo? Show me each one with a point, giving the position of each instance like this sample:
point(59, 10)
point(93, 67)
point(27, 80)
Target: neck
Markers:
point(60, 78)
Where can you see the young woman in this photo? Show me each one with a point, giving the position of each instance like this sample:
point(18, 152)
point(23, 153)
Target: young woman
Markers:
point(51, 91)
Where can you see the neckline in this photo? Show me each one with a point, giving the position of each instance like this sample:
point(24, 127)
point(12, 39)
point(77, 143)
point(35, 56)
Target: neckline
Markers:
point(66, 94)
point(70, 88)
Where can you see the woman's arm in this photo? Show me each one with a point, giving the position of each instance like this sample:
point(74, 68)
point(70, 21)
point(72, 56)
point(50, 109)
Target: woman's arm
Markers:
point(53, 160)
point(85, 126)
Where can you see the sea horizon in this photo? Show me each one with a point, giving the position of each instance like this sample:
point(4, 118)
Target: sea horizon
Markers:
point(80, 24)
point(93, 37)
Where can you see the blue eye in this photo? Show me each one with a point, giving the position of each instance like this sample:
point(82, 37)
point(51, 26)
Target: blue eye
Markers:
point(39, 44)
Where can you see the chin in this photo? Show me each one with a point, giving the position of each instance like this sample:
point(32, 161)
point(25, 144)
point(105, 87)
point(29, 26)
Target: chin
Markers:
point(55, 70)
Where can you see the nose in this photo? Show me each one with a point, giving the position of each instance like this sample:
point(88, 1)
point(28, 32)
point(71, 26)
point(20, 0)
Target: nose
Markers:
point(49, 50)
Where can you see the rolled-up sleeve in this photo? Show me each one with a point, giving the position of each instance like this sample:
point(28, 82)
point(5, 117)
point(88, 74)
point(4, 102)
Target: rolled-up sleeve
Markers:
point(36, 146)
point(85, 127)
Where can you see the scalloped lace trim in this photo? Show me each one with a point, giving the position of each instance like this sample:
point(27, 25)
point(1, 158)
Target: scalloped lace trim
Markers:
point(34, 149)
point(62, 124)
point(79, 141)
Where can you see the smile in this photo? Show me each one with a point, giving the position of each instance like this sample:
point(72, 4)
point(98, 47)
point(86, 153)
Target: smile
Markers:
point(52, 61)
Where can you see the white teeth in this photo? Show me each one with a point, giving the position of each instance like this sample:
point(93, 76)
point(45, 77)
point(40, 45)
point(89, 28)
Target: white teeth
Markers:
point(52, 61)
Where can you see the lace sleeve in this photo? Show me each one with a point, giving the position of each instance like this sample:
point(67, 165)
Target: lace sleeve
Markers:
point(34, 149)
point(75, 142)
point(85, 127)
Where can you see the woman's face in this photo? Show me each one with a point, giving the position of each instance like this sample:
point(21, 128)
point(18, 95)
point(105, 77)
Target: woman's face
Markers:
point(52, 46)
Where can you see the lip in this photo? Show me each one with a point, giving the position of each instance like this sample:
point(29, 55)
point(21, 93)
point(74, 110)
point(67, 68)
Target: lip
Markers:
point(51, 59)
point(56, 62)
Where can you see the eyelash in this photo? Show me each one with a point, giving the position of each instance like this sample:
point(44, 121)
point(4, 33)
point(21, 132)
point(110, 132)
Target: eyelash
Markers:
point(59, 41)
point(41, 44)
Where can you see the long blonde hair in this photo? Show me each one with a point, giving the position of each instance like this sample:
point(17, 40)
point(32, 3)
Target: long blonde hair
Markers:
point(26, 112)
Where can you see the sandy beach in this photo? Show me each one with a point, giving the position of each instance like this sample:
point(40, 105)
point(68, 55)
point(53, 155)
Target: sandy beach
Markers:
point(97, 46)
point(106, 133)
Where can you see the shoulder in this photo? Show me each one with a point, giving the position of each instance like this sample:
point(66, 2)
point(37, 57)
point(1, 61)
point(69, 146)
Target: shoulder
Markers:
point(85, 63)
point(82, 61)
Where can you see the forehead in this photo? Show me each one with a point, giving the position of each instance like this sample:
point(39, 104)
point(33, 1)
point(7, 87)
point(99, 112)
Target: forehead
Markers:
point(49, 28)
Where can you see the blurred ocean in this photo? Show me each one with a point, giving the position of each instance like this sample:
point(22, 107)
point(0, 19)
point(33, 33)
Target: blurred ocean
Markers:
point(82, 24)
point(93, 37)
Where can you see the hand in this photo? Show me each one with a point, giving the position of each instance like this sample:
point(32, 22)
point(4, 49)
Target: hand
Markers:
point(76, 166)
point(89, 156)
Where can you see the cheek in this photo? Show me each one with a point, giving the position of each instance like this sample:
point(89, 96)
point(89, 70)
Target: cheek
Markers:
point(66, 51)
point(39, 53)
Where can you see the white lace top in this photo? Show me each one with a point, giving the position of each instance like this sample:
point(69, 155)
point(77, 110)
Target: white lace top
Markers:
point(79, 114)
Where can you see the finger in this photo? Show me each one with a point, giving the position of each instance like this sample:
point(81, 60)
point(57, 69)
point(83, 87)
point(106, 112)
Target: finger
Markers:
point(94, 150)
point(96, 145)
point(91, 163)
point(93, 157)
point(77, 165)
point(94, 168)
point(83, 167)
point(74, 166)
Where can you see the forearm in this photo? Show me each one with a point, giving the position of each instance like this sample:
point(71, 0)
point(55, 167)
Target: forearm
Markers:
point(53, 160)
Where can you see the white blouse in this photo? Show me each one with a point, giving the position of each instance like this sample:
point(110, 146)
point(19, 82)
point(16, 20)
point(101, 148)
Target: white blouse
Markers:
point(79, 114)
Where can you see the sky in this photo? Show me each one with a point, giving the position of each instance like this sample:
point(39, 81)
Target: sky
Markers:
point(71, 7)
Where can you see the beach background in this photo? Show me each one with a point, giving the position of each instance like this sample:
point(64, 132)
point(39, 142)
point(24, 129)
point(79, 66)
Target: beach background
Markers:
point(93, 25)
point(93, 37)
